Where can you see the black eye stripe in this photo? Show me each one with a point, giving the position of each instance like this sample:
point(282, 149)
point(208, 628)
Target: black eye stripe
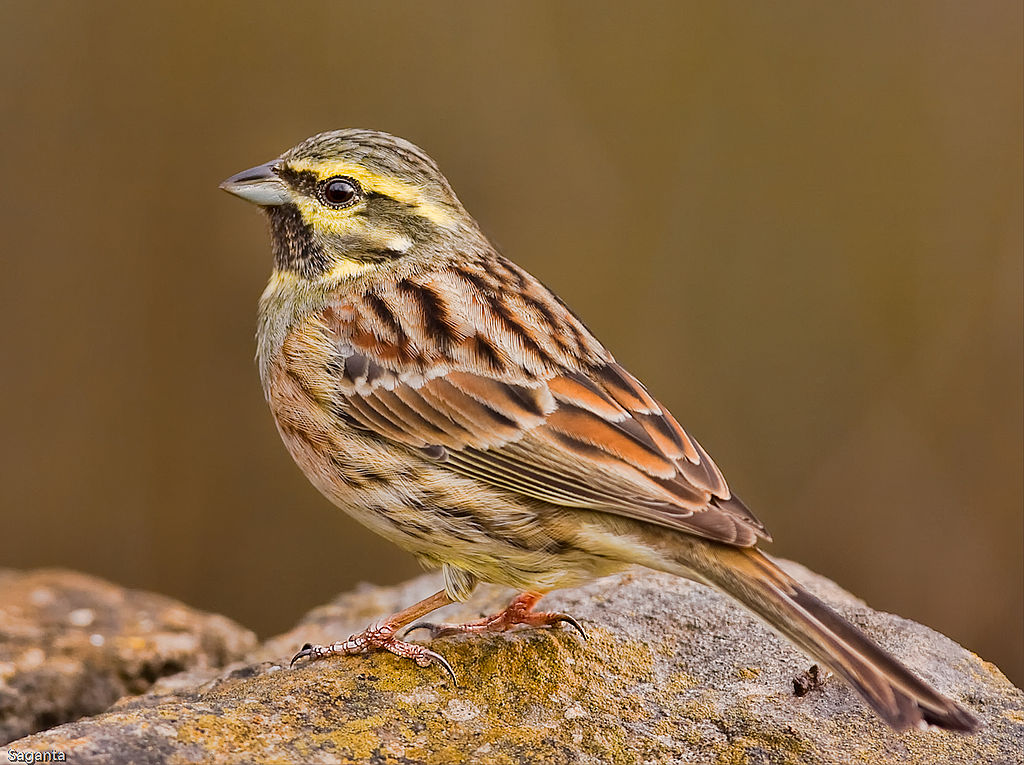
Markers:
point(339, 191)
point(303, 181)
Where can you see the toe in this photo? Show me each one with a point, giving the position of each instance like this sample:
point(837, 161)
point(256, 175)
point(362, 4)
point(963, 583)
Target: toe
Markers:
point(445, 630)
point(421, 626)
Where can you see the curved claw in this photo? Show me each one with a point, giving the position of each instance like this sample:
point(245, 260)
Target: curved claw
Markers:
point(571, 621)
point(436, 658)
point(305, 653)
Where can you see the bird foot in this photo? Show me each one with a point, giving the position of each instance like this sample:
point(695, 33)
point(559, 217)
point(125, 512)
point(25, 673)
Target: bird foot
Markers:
point(519, 611)
point(378, 636)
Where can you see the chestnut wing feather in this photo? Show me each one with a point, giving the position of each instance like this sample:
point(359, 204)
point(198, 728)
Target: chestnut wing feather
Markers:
point(587, 437)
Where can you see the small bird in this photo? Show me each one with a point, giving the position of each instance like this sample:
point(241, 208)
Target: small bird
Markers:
point(450, 402)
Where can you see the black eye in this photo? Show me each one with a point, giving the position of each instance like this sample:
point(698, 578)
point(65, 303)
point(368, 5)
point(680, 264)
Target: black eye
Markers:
point(339, 192)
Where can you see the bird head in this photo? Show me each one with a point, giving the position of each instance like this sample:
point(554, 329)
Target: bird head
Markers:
point(346, 202)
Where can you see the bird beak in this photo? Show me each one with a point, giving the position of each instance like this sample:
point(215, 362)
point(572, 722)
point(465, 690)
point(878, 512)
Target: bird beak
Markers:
point(260, 185)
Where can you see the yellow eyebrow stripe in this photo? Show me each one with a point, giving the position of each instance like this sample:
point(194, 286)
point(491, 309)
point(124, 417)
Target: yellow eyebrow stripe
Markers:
point(407, 193)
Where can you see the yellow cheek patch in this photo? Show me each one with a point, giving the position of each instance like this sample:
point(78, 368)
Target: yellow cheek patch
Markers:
point(344, 269)
point(407, 193)
point(324, 219)
point(289, 282)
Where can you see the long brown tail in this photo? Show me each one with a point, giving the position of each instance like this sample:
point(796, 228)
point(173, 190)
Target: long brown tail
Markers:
point(900, 698)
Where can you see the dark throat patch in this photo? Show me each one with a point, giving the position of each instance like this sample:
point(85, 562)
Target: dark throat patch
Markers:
point(295, 249)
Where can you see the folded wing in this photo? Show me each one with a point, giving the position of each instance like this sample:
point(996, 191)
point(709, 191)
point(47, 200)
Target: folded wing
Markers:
point(568, 428)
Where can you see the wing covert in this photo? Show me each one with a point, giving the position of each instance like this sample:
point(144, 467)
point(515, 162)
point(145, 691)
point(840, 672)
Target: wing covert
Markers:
point(564, 425)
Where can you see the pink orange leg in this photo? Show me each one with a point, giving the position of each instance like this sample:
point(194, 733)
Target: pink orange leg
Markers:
point(519, 611)
point(382, 636)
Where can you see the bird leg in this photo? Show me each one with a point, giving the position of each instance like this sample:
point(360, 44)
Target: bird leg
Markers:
point(519, 611)
point(382, 635)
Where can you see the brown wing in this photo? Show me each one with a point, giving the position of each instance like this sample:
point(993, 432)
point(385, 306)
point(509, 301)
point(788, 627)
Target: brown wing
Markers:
point(516, 392)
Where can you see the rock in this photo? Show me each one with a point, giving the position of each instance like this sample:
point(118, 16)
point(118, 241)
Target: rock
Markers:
point(672, 672)
point(71, 645)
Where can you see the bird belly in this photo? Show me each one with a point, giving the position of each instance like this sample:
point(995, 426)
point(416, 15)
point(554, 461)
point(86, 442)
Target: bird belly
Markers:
point(428, 510)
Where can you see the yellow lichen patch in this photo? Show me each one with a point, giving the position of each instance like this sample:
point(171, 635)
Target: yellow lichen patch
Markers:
point(699, 722)
point(1016, 715)
point(680, 681)
point(359, 737)
point(989, 667)
point(513, 691)
point(741, 749)
point(788, 750)
point(939, 745)
point(539, 696)
point(217, 732)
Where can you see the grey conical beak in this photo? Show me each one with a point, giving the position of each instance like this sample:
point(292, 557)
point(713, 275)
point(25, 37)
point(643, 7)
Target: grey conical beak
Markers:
point(260, 185)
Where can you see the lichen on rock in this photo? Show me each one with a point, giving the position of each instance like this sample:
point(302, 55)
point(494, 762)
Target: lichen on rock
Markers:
point(71, 645)
point(671, 672)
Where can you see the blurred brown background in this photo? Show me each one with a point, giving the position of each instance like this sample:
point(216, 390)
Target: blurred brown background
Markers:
point(799, 223)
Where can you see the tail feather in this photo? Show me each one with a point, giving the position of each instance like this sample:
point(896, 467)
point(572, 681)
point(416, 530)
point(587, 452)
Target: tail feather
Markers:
point(898, 696)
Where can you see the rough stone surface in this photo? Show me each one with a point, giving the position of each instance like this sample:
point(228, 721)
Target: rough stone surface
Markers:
point(71, 645)
point(671, 673)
